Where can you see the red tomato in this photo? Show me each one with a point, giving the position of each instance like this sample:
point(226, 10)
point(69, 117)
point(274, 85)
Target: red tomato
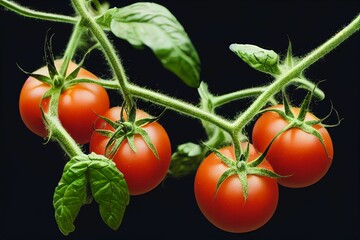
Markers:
point(142, 170)
point(78, 105)
point(227, 209)
point(294, 152)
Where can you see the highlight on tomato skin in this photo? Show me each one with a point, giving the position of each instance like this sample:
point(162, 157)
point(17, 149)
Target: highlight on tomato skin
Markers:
point(227, 209)
point(295, 153)
point(78, 105)
point(142, 170)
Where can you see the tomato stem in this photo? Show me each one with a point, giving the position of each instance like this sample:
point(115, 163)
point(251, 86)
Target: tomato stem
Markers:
point(294, 72)
point(52, 122)
point(234, 128)
point(62, 137)
point(56, 130)
point(26, 12)
point(237, 145)
point(179, 106)
point(71, 48)
point(240, 94)
point(108, 49)
point(318, 93)
point(54, 100)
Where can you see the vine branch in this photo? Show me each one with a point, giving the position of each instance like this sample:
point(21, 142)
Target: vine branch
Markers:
point(128, 90)
point(295, 71)
point(26, 12)
point(108, 49)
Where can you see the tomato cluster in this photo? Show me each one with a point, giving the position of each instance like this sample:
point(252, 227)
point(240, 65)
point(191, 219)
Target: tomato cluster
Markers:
point(79, 107)
point(295, 158)
point(300, 158)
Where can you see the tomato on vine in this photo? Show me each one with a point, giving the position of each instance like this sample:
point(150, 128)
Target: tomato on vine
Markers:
point(228, 205)
point(77, 107)
point(143, 168)
point(296, 153)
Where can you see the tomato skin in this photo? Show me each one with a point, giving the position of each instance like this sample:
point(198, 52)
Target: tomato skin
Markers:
point(142, 170)
point(295, 152)
point(78, 105)
point(228, 210)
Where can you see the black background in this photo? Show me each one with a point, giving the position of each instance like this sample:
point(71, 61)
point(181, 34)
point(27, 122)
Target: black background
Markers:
point(30, 170)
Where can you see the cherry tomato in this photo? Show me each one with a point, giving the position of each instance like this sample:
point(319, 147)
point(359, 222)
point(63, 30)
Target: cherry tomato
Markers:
point(78, 104)
point(295, 153)
point(142, 170)
point(227, 209)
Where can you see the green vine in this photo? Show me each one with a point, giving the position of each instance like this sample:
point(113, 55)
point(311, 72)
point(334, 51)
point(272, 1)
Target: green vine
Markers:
point(100, 22)
point(107, 47)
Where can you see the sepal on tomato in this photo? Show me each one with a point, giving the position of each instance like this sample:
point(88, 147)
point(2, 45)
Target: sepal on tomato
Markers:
point(40, 77)
point(125, 129)
point(299, 120)
point(242, 168)
point(49, 57)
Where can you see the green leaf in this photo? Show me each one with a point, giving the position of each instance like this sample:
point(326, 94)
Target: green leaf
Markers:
point(263, 60)
point(152, 25)
point(109, 190)
point(70, 194)
point(105, 19)
point(186, 159)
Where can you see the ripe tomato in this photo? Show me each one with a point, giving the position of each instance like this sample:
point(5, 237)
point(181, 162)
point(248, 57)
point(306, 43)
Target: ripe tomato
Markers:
point(295, 152)
point(78, 104)
point(227, 209)
point(142, 170)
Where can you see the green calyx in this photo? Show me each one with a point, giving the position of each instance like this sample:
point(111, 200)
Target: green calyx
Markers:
point(299, 120)
point(126, 130)
point(57, 78)
point(242, 167)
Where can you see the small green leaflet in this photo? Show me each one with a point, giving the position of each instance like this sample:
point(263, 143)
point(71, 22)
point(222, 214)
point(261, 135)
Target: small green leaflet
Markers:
point(109, 190)
point(107, 186)
point(152, 25)
point(70, 194)
point(263, 60)
point(186, 159)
